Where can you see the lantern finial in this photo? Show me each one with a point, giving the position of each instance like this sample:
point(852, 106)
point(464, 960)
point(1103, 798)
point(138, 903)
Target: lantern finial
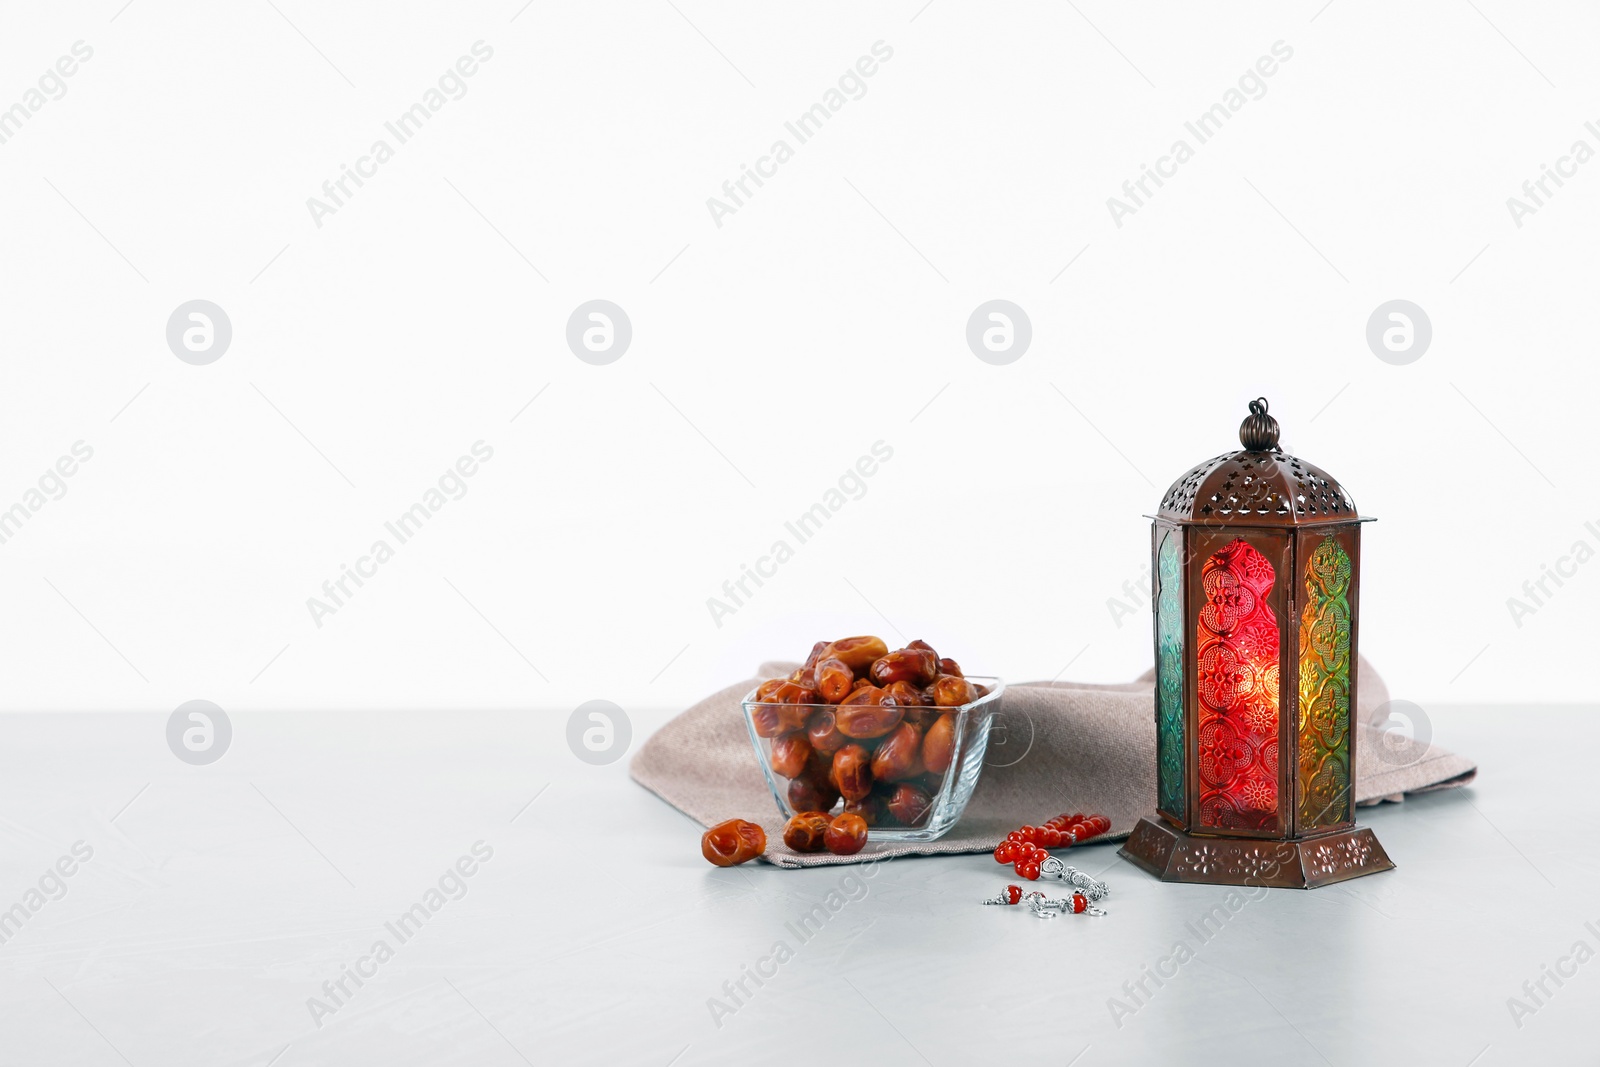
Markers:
point(1259, 431)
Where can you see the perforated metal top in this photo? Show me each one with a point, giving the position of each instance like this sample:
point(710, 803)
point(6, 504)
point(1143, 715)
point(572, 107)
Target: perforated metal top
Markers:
point(1258, 485)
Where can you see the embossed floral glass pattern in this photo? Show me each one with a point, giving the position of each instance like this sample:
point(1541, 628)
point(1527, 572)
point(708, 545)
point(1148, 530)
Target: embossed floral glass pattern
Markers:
point(1169, 676)
point(1236, 642)
point(1324, 732)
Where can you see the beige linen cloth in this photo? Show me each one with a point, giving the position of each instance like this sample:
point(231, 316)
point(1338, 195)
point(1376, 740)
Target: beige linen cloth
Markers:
point(1055, 747)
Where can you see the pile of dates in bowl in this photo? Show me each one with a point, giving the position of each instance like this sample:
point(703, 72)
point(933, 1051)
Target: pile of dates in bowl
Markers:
point(895, 737)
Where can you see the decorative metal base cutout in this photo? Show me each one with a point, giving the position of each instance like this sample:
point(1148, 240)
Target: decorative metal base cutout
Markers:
point(1174, 856)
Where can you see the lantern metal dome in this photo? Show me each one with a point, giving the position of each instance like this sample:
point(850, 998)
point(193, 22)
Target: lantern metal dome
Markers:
point(1258, 485)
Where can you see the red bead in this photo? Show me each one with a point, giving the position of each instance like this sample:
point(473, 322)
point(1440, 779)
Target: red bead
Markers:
point(1027, 845)
point(1078, 903)
point(1031, 871)
point(1013, 893)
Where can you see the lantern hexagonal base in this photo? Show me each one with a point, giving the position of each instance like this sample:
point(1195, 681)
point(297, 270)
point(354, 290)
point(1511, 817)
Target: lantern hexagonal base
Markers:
point(1174, 856)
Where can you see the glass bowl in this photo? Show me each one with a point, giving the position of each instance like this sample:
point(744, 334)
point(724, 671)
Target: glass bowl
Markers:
point(948, 791)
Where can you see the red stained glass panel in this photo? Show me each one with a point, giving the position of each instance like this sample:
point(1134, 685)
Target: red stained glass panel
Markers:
point(1237, 683)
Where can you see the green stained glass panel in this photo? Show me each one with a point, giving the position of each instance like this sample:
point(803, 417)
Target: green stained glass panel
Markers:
point(1325, 689)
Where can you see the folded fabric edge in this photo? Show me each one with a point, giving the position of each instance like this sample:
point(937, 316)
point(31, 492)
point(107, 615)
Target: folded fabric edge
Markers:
point(1393, 786)
point(795, 861)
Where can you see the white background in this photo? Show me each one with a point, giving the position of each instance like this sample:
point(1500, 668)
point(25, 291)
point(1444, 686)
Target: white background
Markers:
point(768, 354)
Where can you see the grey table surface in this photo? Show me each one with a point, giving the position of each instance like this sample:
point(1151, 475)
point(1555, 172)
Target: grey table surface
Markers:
point(222, 905)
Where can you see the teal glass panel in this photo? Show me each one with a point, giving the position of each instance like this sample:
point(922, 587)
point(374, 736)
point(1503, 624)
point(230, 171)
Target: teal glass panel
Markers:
point(1169, 676)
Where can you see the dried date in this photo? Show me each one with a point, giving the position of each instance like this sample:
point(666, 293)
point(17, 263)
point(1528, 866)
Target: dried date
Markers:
point(909, 805)
point(919, 666)
point(858, 653)
point(846, 835)
point(808, 794)
point(852, 772)
point(899, 755)
point(805, 831)
point(868, 713)
point(952, 691)
point(823, 730)
point(790, 754)
point(835, 680)
point(730, 843)
point(870, 808)
point(939, 745)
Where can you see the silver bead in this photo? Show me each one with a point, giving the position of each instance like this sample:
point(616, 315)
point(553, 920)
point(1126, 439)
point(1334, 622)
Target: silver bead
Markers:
point(1054, 868)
